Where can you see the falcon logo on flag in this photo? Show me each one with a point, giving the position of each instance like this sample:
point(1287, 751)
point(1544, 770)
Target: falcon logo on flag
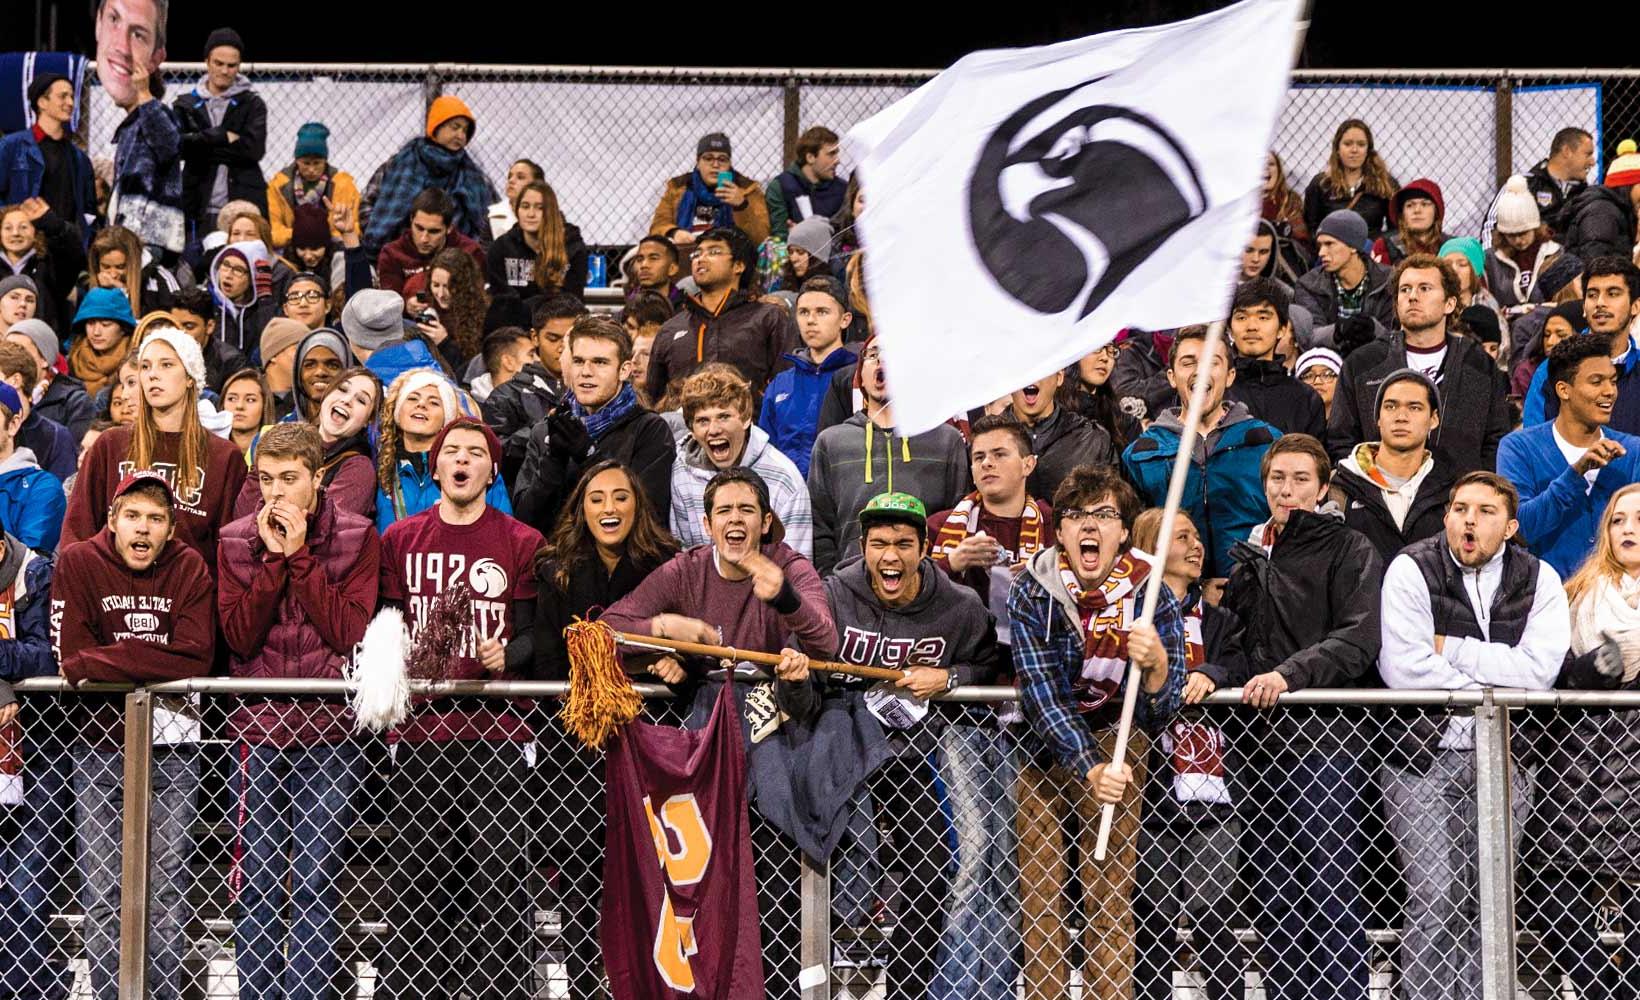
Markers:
point(1068, 191)
point(1066, 195)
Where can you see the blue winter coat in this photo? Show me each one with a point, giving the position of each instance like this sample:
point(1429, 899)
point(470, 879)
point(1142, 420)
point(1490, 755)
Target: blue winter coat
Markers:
point(32, 503)
point(391, 362)
point(1233, 500)
point(1559, 514)
point(23, 169)
point(791, 405)
point(28, 653)
point(419, 492)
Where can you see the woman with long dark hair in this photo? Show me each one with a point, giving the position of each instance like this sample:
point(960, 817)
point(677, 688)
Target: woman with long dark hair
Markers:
point(607, 540)
point(455, 289)
point(1086, 389)
point(541, 254)
point(1356, 178)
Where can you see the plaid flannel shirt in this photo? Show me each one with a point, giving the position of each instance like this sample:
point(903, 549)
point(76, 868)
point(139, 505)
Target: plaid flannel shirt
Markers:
point(1048, 653)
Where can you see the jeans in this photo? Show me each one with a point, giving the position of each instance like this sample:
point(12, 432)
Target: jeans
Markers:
point(1432, 818)
point(1306, 863)
point(34, 855)
point(901, 795)
point(294, 811)
point(978, 956)
point(460, 920)
point(1049, 799)
point(1188, 868)
point(99, 779)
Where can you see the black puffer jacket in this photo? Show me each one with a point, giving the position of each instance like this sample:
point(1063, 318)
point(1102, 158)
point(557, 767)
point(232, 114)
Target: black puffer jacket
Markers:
point(1062, 442)
point(1362, 502)
point(1278, 398)
point(515, 406)
point(1600, 223)
point(1591, 781)
point(642, 441)
point(1309, 618)
point(1474, 401)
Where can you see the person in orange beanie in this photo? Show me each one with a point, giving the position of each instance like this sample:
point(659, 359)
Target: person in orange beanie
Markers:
point(436, 159)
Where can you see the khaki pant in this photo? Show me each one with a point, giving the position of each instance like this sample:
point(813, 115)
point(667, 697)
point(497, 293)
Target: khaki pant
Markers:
point(1046, 801)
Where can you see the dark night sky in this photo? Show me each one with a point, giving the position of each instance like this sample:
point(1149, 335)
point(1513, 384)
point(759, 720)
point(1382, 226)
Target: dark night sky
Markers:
point(847, 34)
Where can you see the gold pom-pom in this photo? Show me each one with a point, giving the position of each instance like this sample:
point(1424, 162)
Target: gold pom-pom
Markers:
point(601, 696)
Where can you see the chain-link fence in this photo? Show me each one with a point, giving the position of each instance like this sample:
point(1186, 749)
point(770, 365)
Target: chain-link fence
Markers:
point(1360, 844)
point(608, 138)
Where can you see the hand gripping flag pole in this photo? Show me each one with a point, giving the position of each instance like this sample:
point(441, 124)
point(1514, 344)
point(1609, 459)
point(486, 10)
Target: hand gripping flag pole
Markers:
point(1153, 583)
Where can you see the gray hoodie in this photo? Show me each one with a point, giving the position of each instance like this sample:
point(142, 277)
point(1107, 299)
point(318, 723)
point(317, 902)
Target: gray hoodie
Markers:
point(216, 106)
point(945, 625)
point(856, 460)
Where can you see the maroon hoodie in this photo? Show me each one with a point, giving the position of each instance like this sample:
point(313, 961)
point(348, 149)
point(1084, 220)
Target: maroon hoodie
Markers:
point(200, 513)
point(112, 623)
point(399, 262)
point(297, 616)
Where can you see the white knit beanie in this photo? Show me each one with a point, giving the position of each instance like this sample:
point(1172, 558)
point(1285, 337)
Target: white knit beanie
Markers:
point(1517, 209)
point(420, 378)
point(193, 362)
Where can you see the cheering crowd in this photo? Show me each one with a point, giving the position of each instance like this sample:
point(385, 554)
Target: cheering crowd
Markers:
point(240, 415)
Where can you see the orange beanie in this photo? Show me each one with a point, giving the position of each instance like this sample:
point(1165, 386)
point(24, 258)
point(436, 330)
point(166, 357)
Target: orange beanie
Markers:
point(445, 108)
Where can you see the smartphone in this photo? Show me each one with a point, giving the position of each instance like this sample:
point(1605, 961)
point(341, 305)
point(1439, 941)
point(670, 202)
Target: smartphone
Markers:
point(725, 179)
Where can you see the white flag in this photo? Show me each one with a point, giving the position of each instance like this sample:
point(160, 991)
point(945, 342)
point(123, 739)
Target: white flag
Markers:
point(1026, 204)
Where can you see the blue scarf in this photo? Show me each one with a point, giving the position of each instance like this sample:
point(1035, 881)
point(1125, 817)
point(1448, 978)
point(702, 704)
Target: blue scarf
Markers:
point(699, 193)
point(612, 413)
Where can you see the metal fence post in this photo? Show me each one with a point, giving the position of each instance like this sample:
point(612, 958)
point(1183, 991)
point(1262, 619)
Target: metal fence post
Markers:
point(1503, 148)
point(1494, 834)
point(815, 978)
point(139, 759)
point(432, 84)
point(792, 109)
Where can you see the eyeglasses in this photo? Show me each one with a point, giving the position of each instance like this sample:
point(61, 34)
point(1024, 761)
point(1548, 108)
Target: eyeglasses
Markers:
point(716, 159)
point(709, 252)
point(1318, 376)
point(1080, 517)
point(311, 295)
point(233, 267)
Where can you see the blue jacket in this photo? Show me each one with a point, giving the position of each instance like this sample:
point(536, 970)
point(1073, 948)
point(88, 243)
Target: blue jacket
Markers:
point(1559, 515)
point(28, 653)
point(55, 449)
point(391, 362)
point(1233, 499)
point(1541, 405)
point(23, 169)
point(419, 492)
point(791, 404)
point(32, 503)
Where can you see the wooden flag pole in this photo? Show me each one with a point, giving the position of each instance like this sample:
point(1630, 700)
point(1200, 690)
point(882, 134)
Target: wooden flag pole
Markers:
point(1153, 583)
point(754, 656)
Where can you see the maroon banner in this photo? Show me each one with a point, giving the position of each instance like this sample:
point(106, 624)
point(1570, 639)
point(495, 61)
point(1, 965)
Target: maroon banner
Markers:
point(680, 902)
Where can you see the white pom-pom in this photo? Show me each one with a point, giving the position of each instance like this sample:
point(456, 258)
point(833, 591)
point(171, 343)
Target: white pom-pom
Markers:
point(1516, 185)
point(382, 699)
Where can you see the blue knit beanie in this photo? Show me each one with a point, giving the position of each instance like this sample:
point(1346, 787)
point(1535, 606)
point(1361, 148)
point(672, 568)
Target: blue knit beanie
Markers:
point(313, 139)
point(105, 303)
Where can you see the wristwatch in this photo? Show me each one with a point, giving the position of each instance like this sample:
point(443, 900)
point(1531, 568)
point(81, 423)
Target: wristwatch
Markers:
point(951, 681)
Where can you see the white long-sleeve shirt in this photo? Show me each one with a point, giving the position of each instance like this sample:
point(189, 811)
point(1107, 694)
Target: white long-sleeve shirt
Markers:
point(1407, 657)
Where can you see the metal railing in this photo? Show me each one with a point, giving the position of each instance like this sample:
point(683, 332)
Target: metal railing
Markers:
point(608, 137)
point(1321, 849)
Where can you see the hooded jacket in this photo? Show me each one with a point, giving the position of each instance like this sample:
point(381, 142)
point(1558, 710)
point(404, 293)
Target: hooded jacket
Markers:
point(1362, 499)
point(31, 501)
point(510, 264)
point(1515, 286)
point(747, 333)
point(515, 407)
point(240, 325)
point(398, 261)
point(419, 492)
point(1277, 398)
point(791, 407)
point(297, 615)
point(856, 460)
point(1062, 441)
point(1049, 645)
point(112, 623)
point(1223, 493)
point(1474, 401)
point(302, 405)
point(788, 494)
point(640, 440)
point(1389, 249)
point(1317, 291)
point(215, 169)
point(66, 402)
point(25, 579)
point(1600, 223)
point(1308, 617)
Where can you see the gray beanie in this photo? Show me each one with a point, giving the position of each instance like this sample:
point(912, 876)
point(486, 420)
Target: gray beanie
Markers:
point(1347, 228)
point(374, 319)
point(40, 332)
point(1407, 375)
point(12, 282)
point(814, 235)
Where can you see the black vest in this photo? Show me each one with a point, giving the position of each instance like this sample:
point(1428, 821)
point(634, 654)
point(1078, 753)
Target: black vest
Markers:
point(1415, 733)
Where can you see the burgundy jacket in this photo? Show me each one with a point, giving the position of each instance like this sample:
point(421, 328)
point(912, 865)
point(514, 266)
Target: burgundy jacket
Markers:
point(398, 262)
point(297, 616)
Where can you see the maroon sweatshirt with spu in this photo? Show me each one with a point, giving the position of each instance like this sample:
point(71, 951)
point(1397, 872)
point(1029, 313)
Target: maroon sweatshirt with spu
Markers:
point(201, 512)
point(112, 623)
